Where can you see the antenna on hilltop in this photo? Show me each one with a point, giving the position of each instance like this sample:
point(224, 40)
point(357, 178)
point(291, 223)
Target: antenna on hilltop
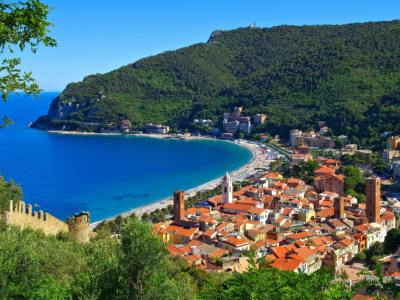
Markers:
point(254, 24)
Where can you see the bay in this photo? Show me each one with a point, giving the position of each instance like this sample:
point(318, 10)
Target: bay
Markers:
point(105, 175)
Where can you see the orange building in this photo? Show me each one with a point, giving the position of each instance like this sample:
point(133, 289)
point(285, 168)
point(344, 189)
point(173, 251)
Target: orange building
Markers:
point(179, 205)
point(373, 195)
point(392, 142)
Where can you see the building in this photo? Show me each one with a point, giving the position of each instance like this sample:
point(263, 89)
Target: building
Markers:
point(179, 205)
point(319, 142)
point(323, 130)
point(303, 149)
point(226, 189)
point(338, 208)
point(237, 111)
point(125, 125)
point(259, 119)
point(232, 127)
point(365, 152)
point(156, 128)
point(215, 130)
point(330, 182)
point(373, 195)
point(305, 215)
point(296, 137)
point(245, 127)
point(330, 151)
point(227, 136)
point(297, 158)
point(392, 142)
point(387, 155)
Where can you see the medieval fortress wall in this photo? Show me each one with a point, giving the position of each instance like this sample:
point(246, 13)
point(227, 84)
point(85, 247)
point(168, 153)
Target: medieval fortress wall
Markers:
point(21, 215)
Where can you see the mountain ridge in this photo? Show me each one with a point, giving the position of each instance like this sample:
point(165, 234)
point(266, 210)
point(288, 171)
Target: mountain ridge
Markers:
point(296, 75)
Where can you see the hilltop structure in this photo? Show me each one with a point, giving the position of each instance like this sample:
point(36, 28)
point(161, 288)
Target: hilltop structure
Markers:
point(22, 216)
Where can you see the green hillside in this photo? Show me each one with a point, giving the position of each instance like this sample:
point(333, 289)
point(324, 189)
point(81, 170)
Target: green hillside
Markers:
point(346, 75)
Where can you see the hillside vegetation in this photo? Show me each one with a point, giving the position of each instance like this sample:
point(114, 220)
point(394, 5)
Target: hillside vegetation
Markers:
point(346, 75)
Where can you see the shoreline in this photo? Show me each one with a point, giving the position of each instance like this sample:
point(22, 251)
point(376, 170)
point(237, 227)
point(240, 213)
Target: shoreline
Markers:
point(237, 175)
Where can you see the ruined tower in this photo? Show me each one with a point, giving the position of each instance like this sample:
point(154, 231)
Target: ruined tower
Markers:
point(339, 208)
point(179, 205)
point(373, 195)
point(79, 226)
point(227, 189)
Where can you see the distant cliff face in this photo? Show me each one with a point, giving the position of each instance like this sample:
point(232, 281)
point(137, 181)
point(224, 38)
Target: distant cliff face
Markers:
point(345, 75)
point(58, 110)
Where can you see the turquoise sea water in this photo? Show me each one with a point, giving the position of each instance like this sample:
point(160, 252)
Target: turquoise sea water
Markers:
point(105, 175)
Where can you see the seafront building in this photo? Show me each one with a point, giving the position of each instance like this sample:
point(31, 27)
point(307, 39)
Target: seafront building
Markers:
point(157, 128)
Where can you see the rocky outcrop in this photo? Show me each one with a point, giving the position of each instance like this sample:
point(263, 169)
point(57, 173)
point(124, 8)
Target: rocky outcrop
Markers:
point(212, 36)
point(58, 109)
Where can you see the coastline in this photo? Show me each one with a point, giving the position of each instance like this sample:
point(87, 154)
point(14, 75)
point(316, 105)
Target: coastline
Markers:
point(237, 175)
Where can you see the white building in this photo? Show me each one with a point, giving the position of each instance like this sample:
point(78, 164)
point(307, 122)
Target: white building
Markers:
point(227, 189)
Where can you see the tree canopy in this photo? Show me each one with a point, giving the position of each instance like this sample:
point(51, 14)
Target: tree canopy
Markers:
point(22, 23)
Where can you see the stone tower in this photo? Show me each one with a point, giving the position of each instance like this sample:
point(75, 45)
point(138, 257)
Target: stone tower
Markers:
point(227, 189)
point(373, 195)
point(79, 226)
point(338, 208)
point(179, 205)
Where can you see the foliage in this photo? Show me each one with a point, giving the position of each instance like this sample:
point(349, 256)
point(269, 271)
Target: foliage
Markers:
point(379, 284)
point(360, 197)
point(22, 23)
point(360, 256)
point(339, 143)
point(9, 191)
point(305, 170)
point(392, 240)
point(380, 165)
point(354, 181)
point(262, 282)
point(347, 75)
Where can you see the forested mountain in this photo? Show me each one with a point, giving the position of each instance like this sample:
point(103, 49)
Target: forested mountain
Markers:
point(346, 75)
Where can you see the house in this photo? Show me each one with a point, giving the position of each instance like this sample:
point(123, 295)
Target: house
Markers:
point(339, 253)
point(208, 236)
point(323, 130)
point(182, 235)
point(301, 236)
point(323, 171)
point(306, 214)
point(264, 138)
point(260, 214)
point(329, 182)
point(125, 125)
point(256, 235)
point(287, 264)
point(336, 224)
point(297, 158)
point(234, 244)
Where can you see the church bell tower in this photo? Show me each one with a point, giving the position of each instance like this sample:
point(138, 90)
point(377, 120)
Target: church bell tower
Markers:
point(226, 189)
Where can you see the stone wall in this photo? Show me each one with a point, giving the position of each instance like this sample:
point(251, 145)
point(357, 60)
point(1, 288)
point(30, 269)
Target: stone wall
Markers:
point(22, 215)
point(79, 226)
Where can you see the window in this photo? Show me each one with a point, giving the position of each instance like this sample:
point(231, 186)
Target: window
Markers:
point(225, 190)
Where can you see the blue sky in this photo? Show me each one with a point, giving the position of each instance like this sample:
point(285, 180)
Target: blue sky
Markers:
point(100, 36)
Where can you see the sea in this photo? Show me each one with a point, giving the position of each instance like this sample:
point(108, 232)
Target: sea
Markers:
point(64, 174)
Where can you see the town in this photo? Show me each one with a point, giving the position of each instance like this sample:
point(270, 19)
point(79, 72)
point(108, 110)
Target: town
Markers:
point(300, 223)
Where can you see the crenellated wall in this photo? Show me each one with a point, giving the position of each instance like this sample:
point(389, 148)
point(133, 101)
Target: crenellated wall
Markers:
point(79, 226)
point(22, 215)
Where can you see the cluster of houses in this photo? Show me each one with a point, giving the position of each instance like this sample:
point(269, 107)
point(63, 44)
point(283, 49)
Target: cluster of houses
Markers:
point(296, 226)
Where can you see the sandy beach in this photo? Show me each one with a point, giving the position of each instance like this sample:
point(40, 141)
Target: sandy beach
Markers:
point(237, 175)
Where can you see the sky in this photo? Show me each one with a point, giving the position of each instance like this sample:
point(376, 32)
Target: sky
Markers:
point(98, 36)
